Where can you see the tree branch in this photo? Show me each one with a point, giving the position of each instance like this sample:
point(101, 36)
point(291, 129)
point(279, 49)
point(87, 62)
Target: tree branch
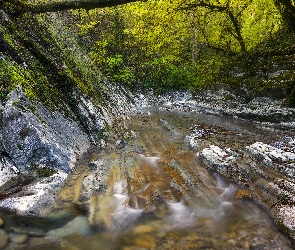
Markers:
point(209, 6)
point(24, 7)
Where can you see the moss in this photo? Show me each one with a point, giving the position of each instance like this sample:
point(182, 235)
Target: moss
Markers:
point(42, 171)
point(45, 172)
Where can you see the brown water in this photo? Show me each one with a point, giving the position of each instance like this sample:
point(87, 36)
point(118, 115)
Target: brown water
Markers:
point(152, 193)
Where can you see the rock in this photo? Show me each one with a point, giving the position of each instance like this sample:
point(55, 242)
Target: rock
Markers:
point(35, 136)
point(284, 218)
point(42, 142)
point(270, 177)
point(18, 230)
point(276, 158)
point(145, 241)
point(243, 194)
point(38, 196)
point(142, 229)
point(78, 225)
point(8, 169)
point(36, 232)
point(1, 222)
point(38, 243)
point(18, 238)
point(3, 239)
point(224, 102)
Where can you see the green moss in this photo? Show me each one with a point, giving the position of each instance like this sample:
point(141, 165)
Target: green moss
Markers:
point(42, 171)
point(45, 172)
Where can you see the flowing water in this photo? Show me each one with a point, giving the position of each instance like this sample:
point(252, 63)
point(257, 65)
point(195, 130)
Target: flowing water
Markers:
point(151, 192)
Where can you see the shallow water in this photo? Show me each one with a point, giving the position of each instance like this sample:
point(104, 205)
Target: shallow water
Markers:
point(152, 193)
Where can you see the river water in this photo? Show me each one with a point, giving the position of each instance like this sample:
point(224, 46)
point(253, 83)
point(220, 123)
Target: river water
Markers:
point(150, 191)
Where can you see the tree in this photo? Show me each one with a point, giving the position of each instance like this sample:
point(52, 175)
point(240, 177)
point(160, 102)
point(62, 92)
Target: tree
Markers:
point(233, 14)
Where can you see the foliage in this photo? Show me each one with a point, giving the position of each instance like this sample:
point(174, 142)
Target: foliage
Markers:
point(174, 45)
point(166, 45)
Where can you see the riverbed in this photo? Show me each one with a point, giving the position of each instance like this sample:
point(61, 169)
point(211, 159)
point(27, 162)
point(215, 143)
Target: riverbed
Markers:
point(148, 190)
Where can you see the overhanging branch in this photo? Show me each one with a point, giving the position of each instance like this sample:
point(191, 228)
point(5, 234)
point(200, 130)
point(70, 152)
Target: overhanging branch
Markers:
point(25, 7)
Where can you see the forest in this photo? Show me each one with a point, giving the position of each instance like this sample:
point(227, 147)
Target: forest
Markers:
point(175, 45)
point(152, 124)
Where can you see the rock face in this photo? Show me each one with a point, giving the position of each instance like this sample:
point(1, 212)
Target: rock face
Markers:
point(40, 143)
point(34, 136)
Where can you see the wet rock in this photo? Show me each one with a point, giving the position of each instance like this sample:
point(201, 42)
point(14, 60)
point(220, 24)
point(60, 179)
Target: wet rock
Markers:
point(3, 239)
point(226, 163)
point(17, 238)
point(39, 243)
point(8, 169)
point(18, 230)
point(243, 194)
point(36, 232)
point(145, 241)
point(37, 197)
point(15, 185)
point(77, 225)
point(270, 177)
point(39, 141)
point(223, 102)
point(143, 229)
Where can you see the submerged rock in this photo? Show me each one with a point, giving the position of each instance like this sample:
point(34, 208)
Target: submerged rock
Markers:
point(3, 239)
point(243, 194)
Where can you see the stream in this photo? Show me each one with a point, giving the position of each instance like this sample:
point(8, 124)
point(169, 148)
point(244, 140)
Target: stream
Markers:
point(148, 190)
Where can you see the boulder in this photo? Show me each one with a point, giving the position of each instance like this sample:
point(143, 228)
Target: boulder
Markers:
point(35, 136)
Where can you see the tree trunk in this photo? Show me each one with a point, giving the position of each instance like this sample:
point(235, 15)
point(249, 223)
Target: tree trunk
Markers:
point(237, 28)
point(194, 44)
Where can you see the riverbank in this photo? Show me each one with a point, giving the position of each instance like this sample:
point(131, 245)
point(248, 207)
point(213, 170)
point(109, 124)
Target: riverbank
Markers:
point(255, 155)
point(261, 162)
point(147, 189)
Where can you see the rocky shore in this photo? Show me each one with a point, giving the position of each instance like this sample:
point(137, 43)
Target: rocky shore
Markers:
point(40, 148)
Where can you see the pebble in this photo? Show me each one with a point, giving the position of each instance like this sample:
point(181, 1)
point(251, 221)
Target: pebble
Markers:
point(143, 229)
point(19, 230)
point(36, 232)
point(243, 194)
point(18, 238)
point(145, 241)
point(3, 239)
